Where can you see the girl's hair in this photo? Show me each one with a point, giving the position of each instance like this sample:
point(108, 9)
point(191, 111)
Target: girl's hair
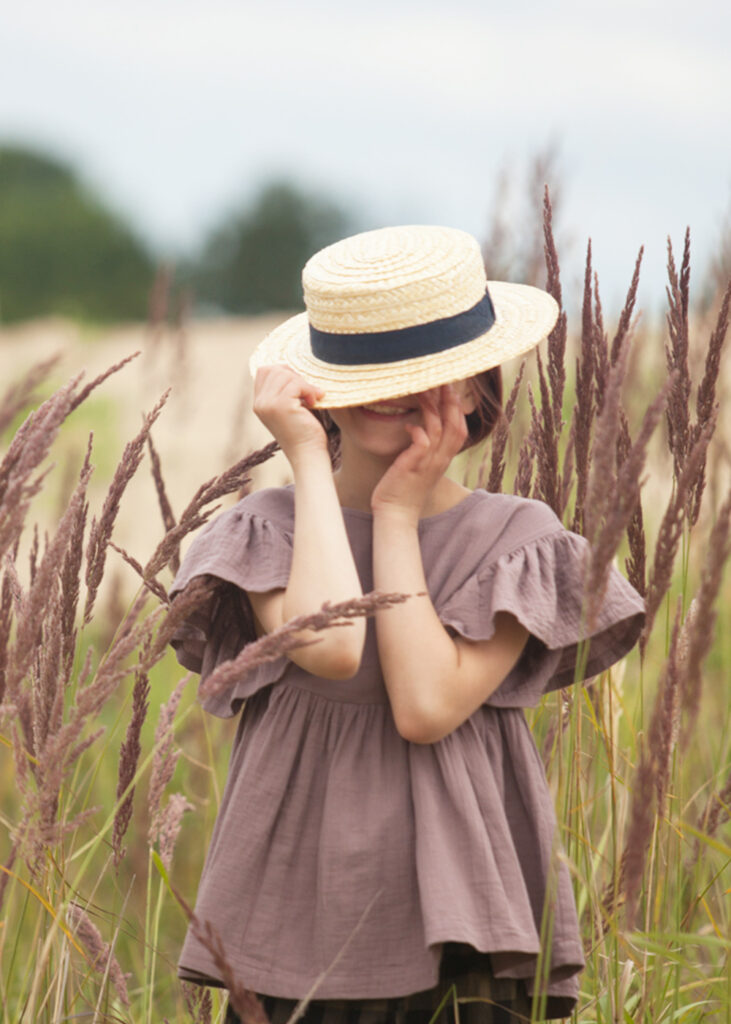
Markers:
point(487, 389)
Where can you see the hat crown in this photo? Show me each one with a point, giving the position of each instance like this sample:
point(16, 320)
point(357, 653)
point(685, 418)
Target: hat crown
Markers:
point(392, 278)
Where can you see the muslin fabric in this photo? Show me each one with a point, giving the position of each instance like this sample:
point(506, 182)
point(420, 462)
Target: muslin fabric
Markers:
point(340, 847)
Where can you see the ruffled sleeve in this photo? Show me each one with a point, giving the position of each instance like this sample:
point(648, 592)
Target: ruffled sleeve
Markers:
point(242, 550)
point(541, 582)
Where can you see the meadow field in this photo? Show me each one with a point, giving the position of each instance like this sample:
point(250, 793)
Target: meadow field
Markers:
point(110, 772)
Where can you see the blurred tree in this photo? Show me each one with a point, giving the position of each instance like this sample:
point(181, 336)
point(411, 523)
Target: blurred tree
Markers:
point(61, 250)
point(252, 262)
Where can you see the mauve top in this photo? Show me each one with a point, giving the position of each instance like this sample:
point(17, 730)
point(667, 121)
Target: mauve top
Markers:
point(341, 847)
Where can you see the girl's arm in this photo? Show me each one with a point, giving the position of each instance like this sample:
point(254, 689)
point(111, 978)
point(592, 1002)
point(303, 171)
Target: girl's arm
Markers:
point(434, 681)
point(322, 561)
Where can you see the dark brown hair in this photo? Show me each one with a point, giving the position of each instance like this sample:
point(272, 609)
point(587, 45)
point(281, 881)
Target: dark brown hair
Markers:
point(487, 389)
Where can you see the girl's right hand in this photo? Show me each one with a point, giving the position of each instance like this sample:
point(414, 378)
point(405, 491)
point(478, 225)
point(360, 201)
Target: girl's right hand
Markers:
point(282, 401)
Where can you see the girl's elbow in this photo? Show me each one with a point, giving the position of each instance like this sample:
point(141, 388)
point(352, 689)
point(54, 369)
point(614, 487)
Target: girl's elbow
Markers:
point(421, 727)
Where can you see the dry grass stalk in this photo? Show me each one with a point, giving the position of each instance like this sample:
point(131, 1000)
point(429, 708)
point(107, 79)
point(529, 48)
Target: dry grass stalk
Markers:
point(193, 517)
point(636, 563)
point(42, 597)
point(285, 639)
point(166, 509)
point(100, 954)
point(71, 575)
point(639, 834)
point(169, 824)
point(670, 532)
point(22, 394)
point(583, 414)
point(557, 338)
point(27, 451)
point(101, 530)
point(198, 1002)
point(524, 472)
point(129, 756)
point(625, 325)
point(500, 439)
point(665, 721)
point(676, 355)
point(702, 616)
point(92, 385)
point(245, 1003)
point(153, 585)
point(620, 499)
point(164, 759)
point(706, 404)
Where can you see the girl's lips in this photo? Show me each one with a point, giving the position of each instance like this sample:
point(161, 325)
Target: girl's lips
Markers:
point(386, 410)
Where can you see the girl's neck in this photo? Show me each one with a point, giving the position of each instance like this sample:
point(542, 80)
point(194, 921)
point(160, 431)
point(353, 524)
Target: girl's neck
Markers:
point(355, 482)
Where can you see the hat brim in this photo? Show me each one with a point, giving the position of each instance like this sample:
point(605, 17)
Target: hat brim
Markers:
point(523, 317)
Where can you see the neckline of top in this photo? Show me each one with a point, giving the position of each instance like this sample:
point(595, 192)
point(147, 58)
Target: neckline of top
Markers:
point(357, 513)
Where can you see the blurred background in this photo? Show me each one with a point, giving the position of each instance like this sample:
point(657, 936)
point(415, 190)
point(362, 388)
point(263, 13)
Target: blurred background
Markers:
point(228, 140)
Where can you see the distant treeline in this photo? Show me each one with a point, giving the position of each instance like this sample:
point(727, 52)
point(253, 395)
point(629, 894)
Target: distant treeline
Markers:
point(63, 251)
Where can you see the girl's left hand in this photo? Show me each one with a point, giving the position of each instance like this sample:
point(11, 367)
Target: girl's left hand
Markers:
point(406, 485)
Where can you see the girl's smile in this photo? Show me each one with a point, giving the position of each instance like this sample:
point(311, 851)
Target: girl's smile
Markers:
point(387, 410)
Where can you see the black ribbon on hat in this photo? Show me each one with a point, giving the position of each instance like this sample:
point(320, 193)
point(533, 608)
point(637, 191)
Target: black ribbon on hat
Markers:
point(406, 342)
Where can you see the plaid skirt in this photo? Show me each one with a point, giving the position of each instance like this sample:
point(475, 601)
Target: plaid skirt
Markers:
point(467, 993)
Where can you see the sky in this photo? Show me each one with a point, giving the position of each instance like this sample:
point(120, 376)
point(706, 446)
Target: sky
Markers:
point(177, 110)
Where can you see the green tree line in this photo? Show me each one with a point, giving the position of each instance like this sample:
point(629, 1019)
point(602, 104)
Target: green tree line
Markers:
point(64, 251)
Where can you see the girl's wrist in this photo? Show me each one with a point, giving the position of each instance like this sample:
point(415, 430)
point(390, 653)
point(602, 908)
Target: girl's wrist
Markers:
point(389, 513)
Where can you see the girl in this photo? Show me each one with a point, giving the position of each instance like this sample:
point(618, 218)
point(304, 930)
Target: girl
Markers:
point(386, 829)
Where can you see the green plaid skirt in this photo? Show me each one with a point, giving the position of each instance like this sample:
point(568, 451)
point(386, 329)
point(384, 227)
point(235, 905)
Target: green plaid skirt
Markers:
point(465, 976)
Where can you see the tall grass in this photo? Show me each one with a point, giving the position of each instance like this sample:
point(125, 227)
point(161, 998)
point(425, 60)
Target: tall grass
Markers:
point(109, 795)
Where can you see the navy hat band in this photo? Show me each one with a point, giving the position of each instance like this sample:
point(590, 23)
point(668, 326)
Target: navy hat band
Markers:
point(406, 342)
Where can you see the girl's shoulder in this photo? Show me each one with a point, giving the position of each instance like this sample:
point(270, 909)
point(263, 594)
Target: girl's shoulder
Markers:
point(493, 524)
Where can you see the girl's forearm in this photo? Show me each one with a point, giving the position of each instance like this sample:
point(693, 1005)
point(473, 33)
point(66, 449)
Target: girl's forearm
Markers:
point(434, 681)
point(322, 568)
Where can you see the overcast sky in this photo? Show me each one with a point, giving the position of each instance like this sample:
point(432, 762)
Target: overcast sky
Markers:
point(406, 111)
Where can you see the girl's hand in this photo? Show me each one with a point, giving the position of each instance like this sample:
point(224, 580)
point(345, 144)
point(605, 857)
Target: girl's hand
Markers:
point(406, 485)
point(282, 401)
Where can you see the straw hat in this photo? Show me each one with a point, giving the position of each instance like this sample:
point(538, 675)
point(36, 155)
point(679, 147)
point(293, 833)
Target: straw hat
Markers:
point(400, 310)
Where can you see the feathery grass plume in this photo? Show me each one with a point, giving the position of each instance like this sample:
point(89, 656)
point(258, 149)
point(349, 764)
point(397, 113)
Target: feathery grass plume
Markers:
point(624, 327)
point(100, 954)
point(717, 808)
point(22, 394)
point(153, 585)
point(500, 439)
point(101, 530)
point(65, 745)
point(584, 402)
point(40, 599)
point(99, 379)
point(288, 637)
point(166, 509)
point(602, 477)
point(6, 607)
point(636, 563)
point(193, 517)
point(164, 759)
point(197, 593)
point(245, 1002)
point(556, 343)
point(547, 424)
point(26, 452)
point(639, 833)
point(129, 756)
point(665, 721)
point(198, 1002)
point(706, 404)
point(617, 503)
point(70, 576)
point(169, 824)
point(676, 355)
point(524, 472)
point(671, 529)
point(703, 618)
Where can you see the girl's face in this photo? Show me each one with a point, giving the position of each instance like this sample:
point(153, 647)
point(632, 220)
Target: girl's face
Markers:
point(379, 427)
